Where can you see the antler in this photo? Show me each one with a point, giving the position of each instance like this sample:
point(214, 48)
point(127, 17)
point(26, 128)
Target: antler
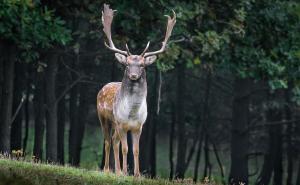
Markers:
point(170, 25)
point(107, 18)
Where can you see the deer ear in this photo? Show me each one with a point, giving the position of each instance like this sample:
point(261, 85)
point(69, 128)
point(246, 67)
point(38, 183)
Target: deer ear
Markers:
point(121, 58)
point(150, 60)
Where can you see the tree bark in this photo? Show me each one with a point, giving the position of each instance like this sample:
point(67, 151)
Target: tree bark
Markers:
point(7, 98)
point(26, 116)
point(273, 157)
point(207, 164)
point(51, 110)
point(2, 59)
point(61, 115)
point(219, 161)
point(78, 129)
point(61, 131)
point(171, 142)
point(289, 135)
point(78, 113)
point(278, 169)
point(239, 134)
point(39, 122)
point(198, 157)
point(73, 115)
point(148, 137)
point(16, 126)
point(298, 175)
point(180, 119)
point(205, 114)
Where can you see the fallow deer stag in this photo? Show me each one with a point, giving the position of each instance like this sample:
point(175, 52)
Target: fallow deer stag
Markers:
point(122, 106)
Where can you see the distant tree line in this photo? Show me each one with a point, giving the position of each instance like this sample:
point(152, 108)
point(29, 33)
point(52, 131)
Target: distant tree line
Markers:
point(228, 82)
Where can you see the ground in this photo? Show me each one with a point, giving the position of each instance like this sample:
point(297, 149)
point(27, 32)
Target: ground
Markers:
point(13, 172)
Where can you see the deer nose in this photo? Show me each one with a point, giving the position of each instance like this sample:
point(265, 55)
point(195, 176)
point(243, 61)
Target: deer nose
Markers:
point(133, 76)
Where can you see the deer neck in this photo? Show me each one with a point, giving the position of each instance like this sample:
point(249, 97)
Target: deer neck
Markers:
point(136, 89)
point(130, 103)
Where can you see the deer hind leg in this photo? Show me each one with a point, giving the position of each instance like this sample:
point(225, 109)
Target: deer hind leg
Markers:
point(116, 145)
point(135, 142)
point(106, 130)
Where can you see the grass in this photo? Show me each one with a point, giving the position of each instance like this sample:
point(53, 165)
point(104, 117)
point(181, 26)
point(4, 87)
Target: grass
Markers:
point(13, 172)
point(91, 153)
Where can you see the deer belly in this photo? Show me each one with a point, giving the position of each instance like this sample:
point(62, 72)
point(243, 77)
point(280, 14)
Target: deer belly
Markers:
point(130, 114)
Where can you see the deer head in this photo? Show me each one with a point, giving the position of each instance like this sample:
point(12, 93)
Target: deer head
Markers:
point(135, 64)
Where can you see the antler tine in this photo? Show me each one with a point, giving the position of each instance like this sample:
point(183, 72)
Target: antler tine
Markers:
point(170, 25)
point(128, 52)
point(147, 46)
point(107, 18)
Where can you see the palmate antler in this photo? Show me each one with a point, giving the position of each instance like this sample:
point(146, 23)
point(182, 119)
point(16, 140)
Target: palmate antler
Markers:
point(170, 25)
point(107, 18)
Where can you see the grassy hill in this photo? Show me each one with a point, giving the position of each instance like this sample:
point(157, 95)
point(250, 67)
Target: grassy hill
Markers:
point(14, 172)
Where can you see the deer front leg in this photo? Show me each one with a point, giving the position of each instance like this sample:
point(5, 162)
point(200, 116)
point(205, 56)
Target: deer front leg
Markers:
point(135, 142)
point(116, 145)
point(124, 143)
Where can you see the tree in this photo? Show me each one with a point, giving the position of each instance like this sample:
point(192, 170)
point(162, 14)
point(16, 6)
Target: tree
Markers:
point(25, 28)
point(7, 97)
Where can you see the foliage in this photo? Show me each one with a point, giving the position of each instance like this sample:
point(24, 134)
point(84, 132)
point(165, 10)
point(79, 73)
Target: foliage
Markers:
point(267, 50)
point(31, 27)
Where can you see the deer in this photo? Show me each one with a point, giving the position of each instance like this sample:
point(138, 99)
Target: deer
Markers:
point(122, 106)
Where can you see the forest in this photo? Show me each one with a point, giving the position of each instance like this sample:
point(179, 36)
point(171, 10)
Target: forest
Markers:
point(223, 99)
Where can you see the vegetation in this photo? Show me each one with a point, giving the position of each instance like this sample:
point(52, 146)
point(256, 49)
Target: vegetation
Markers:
point(222, 101)
point(14, 172)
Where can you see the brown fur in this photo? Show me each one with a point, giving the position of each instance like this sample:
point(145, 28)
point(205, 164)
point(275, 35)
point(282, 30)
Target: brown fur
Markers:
point(105, 100)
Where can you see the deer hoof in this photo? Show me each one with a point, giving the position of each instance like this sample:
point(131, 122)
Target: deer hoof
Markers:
point(137, 175)
point(118, 172)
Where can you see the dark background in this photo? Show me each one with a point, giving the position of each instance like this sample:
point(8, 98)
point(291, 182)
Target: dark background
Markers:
point(223, 101)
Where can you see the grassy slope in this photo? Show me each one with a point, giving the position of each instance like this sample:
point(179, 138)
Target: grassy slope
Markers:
point(26, 173)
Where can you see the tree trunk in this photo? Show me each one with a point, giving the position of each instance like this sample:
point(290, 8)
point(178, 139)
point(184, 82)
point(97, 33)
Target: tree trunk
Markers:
point(273, 157)
point(298, 175)
point(148, 137)
point(239, 134)
point(207, 164)
point(39, 122)
point(219, 161)
point(16, 126)
point(51, 110)
point(2, 59)
point(289, 135)
point(73, 115)
point(203, 128)
point(278, 169)
point(78, 128)
point(26, 116)
point(180, 119)
point(171, 142)
point(7, 98)
point(78, 113)
point(61, 131)
point(198, 157)
point(61, 115)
